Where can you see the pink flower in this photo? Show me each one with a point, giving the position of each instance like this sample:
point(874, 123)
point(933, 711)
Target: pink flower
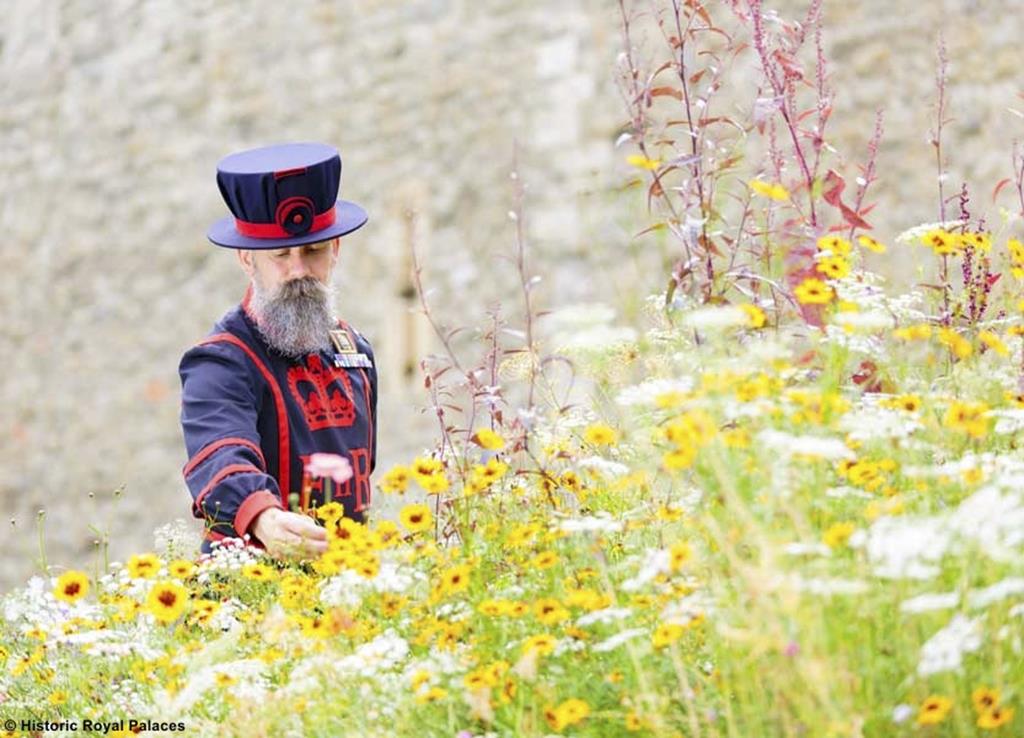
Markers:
point(330, 465)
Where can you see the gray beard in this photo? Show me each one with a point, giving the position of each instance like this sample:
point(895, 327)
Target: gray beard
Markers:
point(296, 319)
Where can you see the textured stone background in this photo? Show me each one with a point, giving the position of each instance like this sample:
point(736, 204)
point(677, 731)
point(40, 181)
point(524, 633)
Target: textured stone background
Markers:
point(114, 114)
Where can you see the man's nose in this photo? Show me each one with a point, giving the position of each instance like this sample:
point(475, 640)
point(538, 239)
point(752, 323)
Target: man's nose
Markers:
point(297, 266)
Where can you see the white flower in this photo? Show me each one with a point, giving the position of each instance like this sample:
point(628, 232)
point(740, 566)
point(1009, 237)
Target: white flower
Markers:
point(656, 562)
point(904, 547)
point(902, 713)
point(944, 651)
point(871, 320)
point(715, 318)
point(604, 466)
point(602, 523)
point(787, 444)
point(647, 392)
point(807, 549)
point(610, 644)
point(930, 601)
point(996, 592)
point(913, 235)
point(605, 616)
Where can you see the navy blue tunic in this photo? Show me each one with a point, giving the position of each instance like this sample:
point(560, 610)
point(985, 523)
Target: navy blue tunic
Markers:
point(252, 417)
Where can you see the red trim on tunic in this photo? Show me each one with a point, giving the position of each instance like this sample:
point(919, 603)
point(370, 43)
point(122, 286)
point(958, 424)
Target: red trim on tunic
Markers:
point(246, 299)
point(251, 507)
point(284, 451)
point(227, 471)
point(206, 451)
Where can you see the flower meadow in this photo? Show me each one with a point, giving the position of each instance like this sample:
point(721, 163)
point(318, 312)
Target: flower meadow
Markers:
point(787, 501)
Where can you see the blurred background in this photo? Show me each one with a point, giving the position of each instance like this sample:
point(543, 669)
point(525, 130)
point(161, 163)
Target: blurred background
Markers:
point(113, 116)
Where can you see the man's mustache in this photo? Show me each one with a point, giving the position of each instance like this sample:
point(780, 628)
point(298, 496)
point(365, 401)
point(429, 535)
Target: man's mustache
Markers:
point(301, 287)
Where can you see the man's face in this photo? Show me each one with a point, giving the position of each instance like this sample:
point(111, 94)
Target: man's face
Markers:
point(272, 268)
point(291, 296)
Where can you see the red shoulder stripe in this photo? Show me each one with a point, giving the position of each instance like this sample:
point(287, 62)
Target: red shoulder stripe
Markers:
point(284, 452)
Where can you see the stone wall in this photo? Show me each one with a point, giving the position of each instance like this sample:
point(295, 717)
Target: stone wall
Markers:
point(114, 114)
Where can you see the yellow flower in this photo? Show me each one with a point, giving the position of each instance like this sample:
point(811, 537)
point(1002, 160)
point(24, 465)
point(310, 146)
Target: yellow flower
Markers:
point(934, 710)
point(257, 572)
point(969, 417)
point(980, 241)
point(431, 695)
point(838, 534)
point(144, 566)
point(455, 579)
point(166, 601)
point(985, 699)
point(1016, 249)
point(544, 560)
point(835, 245)
point(549, 611)
point(679, 554)
point(906, 403)
point(71, 586)
point(667, 633)
point(833, 267)
point(542, 644)
point(994, 718)
point(871, 244)
point(203, 611)
point(415, 518)
point(679, 458)
point(483, 475)
point(991, 340)
point(642, 162)
point(396, 480)
point(600, 434)
point(918, 332)
point(772, 190)
point(755, 316)
point(181, 568)
point(942, 242)
point(959, 345)
point(568, 713)
point(434, 484)
point(813, 292)
point(488, 439)
point(330, 512)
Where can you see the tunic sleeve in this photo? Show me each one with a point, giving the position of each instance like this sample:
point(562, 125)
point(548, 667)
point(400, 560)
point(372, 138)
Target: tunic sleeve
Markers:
point(226, 472)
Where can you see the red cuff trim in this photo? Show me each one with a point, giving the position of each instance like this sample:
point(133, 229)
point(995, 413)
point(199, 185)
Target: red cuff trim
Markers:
point(227, 471)
point(253, 505)
point(206, 451)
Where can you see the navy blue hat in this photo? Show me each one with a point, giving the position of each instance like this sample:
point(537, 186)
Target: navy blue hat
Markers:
point(281, 196)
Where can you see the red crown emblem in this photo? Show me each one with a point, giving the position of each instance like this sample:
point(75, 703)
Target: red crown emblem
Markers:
point(324, 394)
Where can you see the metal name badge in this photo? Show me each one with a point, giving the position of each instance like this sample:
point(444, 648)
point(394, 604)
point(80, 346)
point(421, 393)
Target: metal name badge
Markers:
point(352, 360)
point(342, 343)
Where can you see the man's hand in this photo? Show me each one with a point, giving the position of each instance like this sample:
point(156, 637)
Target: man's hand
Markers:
point(288, 535)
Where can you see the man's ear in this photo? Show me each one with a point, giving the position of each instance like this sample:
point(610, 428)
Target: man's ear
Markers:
point(246, 262)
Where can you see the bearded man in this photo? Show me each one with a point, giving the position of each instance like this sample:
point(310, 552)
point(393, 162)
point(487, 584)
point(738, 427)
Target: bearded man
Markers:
point(279, 378)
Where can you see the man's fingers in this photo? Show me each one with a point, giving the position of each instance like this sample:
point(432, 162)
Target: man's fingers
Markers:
point(303, 526)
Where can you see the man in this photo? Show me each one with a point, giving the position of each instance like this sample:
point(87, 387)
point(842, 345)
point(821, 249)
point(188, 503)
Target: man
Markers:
point(279, 378)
